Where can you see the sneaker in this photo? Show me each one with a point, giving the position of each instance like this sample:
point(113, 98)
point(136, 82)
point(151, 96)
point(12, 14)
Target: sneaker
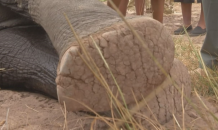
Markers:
point(181, 30)
point(198, 31)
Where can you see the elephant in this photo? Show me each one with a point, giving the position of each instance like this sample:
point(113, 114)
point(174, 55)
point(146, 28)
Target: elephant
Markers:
point(40, 52)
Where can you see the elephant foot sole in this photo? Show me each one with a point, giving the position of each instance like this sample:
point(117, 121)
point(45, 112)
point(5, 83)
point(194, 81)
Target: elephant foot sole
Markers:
point(132, 67)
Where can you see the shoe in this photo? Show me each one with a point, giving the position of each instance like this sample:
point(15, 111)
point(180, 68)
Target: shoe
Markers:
point(198, 31)
point(181, 31)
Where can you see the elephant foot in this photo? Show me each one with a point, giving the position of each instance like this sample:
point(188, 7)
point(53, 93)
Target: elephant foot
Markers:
point(133, 68)
point(167, 100)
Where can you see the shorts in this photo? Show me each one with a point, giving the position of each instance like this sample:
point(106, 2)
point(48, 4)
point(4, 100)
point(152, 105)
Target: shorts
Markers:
point(188, 1)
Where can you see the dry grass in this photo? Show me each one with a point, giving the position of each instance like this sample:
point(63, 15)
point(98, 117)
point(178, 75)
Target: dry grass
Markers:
point(204, 80)
point(185, 51)
point(205, 85)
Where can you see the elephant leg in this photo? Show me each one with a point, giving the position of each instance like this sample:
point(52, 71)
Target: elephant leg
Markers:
point(29, 59)
point(131, 64)
point(167, 100)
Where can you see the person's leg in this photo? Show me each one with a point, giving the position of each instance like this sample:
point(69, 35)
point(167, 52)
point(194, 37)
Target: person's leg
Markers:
point(123, 6)
point(158, 9)
point(200, 29)
point(139, 5)
point(186, 13)
point(209, 50)
point(186, 6)
point(116, 2)
point(201, 22)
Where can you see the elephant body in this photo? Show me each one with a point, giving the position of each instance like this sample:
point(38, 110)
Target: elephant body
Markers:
point(29, 58)
point(39, 51)
point(26, 53)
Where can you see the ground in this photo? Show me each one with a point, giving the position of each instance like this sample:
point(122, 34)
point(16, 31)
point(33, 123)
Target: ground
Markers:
point(34, 111)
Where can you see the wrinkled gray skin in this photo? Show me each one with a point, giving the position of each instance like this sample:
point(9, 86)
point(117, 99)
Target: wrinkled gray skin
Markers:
point(30, 60)
point(22, 39)
point(27, 53)
point(10, 19)
point(32, 51)
point(49, 14)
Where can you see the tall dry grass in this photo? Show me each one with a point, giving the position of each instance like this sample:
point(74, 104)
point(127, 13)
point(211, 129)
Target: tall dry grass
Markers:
point(205, 84)
point(203, 79)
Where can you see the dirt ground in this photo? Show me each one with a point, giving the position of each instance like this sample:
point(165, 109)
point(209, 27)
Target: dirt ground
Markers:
point(33, 111)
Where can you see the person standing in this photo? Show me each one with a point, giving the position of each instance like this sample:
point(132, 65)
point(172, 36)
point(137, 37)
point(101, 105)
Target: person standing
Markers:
point(186, 6)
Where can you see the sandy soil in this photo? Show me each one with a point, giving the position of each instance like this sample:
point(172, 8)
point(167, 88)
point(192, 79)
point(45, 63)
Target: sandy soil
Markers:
point(33, 111)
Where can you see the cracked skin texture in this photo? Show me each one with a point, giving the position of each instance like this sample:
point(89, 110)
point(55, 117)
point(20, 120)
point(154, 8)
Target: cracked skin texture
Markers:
point(132, 66)
point(169, 100)
point(130, 63)
point(48, 115)
point(127, 66)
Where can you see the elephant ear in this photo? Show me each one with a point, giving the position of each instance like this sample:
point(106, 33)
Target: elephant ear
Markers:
point(17, 6)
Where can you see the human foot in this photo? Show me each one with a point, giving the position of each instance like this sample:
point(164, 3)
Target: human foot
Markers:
point(197, 31)
point(181, 30)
